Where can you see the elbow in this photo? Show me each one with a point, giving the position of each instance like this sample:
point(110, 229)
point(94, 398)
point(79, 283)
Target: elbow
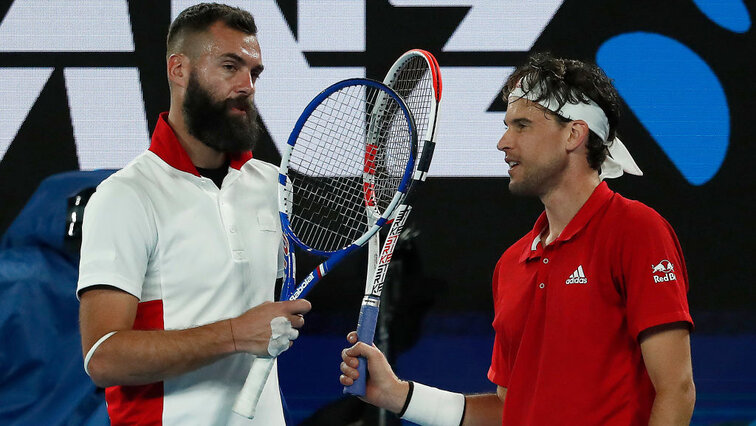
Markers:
point(99, 372)
point(680, 394)
point(686, 391)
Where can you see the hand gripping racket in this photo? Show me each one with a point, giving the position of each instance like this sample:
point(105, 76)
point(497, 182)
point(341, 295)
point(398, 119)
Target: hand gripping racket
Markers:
point(416, 77)
point(350, 155)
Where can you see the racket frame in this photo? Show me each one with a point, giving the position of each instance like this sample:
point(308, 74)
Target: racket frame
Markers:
point(377, 271)
point(249, 396)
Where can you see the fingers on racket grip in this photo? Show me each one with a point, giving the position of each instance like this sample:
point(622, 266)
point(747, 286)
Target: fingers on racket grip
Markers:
point(246, 402)
point(365, 333)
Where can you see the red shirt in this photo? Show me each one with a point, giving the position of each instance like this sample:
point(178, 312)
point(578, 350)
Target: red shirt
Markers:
point(568, 315)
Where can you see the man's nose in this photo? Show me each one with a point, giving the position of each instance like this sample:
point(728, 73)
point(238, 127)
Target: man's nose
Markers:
point(246, 85)
point(503, 143)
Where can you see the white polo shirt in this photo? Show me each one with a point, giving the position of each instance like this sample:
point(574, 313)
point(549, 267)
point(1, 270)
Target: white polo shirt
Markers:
point(192, 254)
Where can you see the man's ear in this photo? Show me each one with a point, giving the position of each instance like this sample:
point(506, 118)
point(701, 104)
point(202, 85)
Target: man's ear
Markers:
point(178, 69)
point(578, 137)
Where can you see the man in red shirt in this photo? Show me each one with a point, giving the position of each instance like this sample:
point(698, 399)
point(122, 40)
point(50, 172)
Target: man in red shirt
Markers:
point(591, 315)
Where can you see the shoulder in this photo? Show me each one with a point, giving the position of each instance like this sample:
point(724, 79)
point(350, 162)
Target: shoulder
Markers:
point(136, 173)
point(633, 227)
point(635, 216)
point(514, 253)
point(517, 248)
point(260, 177)
point(267, 170)
point(127, 188)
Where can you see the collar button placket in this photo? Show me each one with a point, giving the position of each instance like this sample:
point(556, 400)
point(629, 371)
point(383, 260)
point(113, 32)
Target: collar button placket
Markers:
point(543, 270)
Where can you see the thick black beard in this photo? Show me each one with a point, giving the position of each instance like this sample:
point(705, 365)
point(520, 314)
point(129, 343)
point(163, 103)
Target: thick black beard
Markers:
point(212, 123)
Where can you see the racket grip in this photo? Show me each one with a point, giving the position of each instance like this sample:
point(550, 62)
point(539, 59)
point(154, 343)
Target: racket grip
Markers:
point(246, 401)
point(365, 334)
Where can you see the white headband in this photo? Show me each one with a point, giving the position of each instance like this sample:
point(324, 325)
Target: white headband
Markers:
point(619, 159)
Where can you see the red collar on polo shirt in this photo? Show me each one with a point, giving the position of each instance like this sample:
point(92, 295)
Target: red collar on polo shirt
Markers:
point(600, 196)
point(166, 145)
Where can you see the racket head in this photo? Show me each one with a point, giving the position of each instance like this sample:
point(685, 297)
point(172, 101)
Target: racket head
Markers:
point(321, 178)
point(416, 77)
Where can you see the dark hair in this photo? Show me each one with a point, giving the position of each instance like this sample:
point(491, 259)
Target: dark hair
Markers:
point(569, 80)
point(200, 17)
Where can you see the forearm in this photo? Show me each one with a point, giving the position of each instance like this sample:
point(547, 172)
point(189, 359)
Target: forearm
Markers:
point(136, 357)
point(673, 407)
point(482, 410)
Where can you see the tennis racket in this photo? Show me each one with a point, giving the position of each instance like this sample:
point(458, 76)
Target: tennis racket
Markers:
point(416, 77)
point(347, 166)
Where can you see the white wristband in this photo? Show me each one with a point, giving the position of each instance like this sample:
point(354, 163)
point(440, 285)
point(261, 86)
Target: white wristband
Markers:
point(93, 349)
point(434, 407)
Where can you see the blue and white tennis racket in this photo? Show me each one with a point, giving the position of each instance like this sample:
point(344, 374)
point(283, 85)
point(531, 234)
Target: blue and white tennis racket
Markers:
point(416, 77)
point(348, 165)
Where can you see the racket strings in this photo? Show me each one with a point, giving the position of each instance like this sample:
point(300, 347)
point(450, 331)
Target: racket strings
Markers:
point(327, 166)
point(414, 82)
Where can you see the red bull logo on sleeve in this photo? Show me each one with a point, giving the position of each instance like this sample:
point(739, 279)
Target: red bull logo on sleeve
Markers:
point(664, 271)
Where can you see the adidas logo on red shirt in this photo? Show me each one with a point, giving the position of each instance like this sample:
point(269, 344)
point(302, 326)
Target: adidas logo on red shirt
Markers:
point(577, 277)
